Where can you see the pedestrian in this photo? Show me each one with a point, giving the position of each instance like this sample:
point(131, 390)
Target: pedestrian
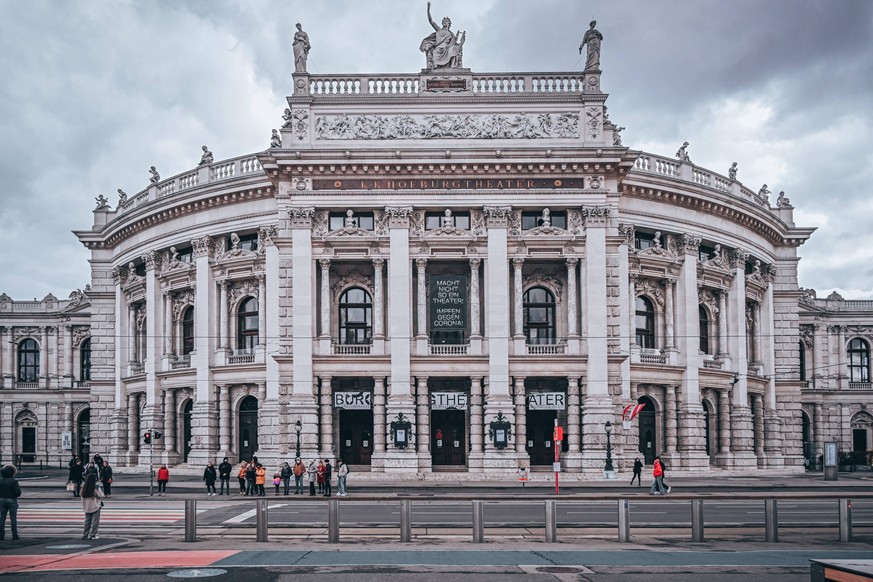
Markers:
point(261, 479)
point(286, 477)
point(98, 461)
point(106, 479)
point(313, 476)
point(277, 482)
point(328, 472)
point(299, 470)
point(251, 476)
point(319, 477)
point(241, 477)
point(77, 475)
point(163, 477)
point(92, 469)
point(342, 471)
point(209, 476)
point(72, 461)
point(656, 488)
point(664, 487)
point(638, 471)
point(91, 505)
point(224, 470)
point(10, 491)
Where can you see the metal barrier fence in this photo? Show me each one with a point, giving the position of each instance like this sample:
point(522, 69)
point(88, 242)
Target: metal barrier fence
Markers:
point(550, 522)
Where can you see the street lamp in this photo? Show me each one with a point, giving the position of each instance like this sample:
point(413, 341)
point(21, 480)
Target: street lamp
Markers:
point(609, 468)
point(298, 427)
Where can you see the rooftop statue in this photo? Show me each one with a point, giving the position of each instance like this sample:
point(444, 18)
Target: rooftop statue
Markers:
point(592, 38)
point(301, 48)
point(155, 177)
point(102, 203)
point(444, 50)
point(682, 153)
point(206, 158)
point(732, 172)
point(122, 197)
point(275, 140)
point(782, 200)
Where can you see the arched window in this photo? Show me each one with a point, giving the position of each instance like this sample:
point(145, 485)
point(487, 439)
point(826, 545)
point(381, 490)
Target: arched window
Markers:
point(859, 361)
point(539, 316)
point(247, 325)
point(28, 361)
point(703, 318)
point(188, 331)
point(355, 317)
point(85, 360)
point(802, 360)
point(645, 323)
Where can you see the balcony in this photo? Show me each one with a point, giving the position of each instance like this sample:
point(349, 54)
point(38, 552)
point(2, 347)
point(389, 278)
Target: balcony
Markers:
point(652, 357)
point(712, 363)
point(340, 349)
point(241, 358)
point(860, 386)
point(449, 349)
point(555, 348)
point(181, 362)
point(26, 385)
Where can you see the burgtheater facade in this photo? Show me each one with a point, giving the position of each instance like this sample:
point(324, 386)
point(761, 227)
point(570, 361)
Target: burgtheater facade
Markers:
point(427, 272)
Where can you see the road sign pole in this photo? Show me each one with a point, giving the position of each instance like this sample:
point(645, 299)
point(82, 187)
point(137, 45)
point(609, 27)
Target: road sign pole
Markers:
point(151, 466)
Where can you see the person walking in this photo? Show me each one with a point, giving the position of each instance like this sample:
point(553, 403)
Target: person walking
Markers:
point(91, 505)
point(209, 476)
point(251, 475)
point(313, 476)
point(656, 488)
point(10, 491)
point(638, 471)
point(319, 477)
point(241, 477)
point(342, 471)
point(286, 477)
point(261, 479)
point(163, 477)
point(299, 470)
point(98, 461)
point(106, 478)
point(77, 475)
point(664, 487)
point(328, 473)
point(224, 470)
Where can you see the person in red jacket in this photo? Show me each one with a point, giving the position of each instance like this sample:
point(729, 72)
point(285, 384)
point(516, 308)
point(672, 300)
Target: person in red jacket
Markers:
point(163, 477)
point(657, 474)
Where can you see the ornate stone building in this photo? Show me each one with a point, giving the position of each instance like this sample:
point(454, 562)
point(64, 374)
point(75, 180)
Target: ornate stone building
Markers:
point(427, 272)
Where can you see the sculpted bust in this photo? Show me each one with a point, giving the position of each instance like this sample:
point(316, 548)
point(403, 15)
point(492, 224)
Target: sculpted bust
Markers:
point(443, 49)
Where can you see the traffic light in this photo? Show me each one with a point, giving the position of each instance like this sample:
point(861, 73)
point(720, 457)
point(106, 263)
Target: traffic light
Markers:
point(147, 437)
point(157, 435)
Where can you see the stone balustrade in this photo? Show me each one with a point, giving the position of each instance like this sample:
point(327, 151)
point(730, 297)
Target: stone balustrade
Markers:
point(409, 84)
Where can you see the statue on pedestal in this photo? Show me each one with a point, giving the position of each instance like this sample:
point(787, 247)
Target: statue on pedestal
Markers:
point(732, 172)
point(444, 50)
point(275, 140)
point(206, 158)
point(592, 38)
point(155, 176)
point(682, 153)
point(301, 48)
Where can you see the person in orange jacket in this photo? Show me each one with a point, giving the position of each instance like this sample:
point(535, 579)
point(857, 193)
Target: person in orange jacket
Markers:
point(260, 479)
point(243, 467)
point(163, 477)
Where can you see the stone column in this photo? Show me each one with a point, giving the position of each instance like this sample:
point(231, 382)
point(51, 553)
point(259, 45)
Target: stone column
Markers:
point(520, 416)
point(168, 324)
point(572, 329)
point(722, 324)
point(53, 363)
point(741, 417)
point(223, 309)
point(671, 420)
point(204, 429)
point(302, 313)
point(379, 425)
point(421, 270)
point(262, 311)
point(669, 316)
point(758, 415)
point(475, 326)
point(44, 377)
point(325, 297)
point(422, 422)
point(816, 354)
point(68, 354)
point(6, 352)
point(573, 414)
point(132, 332)
point(818, 432)
point(132, 423)
point(632, 296)
point(842, 372)
point(724, 412)
point(224, 422)
point(476, 417)
point(378, 302)
point(169, 421)
point(518, 297)
point(326, 417)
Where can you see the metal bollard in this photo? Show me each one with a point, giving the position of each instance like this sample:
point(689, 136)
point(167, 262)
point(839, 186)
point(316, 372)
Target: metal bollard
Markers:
point(478, 521)
point(623, 520)
point(845, 520)
point(333, 518)
point(551, 522)
point(405, 521)
point(261, 523)
point(190, 520)
point(697, 520)
point(771, 521)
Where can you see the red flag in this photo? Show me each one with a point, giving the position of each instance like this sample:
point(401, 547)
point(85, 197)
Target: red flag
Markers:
point(625, 411)
point(637, 409)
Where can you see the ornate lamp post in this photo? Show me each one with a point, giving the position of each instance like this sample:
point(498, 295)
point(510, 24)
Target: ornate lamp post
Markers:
point(298, 427)
point(608, 428)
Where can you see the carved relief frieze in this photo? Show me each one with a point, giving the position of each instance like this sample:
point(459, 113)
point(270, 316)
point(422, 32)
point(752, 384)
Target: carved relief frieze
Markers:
point(239, 289)
point(628, 232)
point(540, 278)
point(807, 332)
point(20, 333)
point(320, 223)
point(80, 334)
point(352, 278)
point(448, 126)
point(574, 222)
point(477, 223)
point(300, 184)
point(381, 223)
point(266, 234)
point(651, 289)
point(300, 123)
point(710, 300)
point(181, 300)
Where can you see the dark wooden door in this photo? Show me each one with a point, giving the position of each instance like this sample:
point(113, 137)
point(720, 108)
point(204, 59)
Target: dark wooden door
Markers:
point(186, 430)
point(448, 441)
point(356, 436)
point(540, 432)
point(248, 428)
point(28, 444)
point(648, 431)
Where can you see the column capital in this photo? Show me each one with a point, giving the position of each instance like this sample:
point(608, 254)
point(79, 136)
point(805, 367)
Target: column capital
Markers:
point(202, 246)
point(475, 262)
point(324, 262)
point(301, 217)
point(497, 216)
point(378, 263)
point(398, 216)
point(421, 263)
point(517, 262)
point(738, 259)
point(151, 260)
point(595, 215)
point(572, 262)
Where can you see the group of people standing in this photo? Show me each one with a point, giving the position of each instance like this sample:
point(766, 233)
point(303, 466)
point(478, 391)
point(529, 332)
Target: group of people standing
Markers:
point(80, 471)
point(252, 477)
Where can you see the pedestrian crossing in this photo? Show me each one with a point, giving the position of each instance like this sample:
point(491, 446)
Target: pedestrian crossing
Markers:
point(111, 513)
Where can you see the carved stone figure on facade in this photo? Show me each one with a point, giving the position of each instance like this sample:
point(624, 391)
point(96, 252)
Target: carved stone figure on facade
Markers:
point(122, 198)
point(301, 48)
point(350, 221)
point(592, 40)
point(682, 153)
point(155, 177)
point(448, 221)
point(764, 193)
point(287, 118)
point(782, 200)
point(732, 172)
point(547, 218)
point(234, 246)
point(206, 158)
point(102, 203)
point(443, 49)
point(275, 139)
point(616, 135)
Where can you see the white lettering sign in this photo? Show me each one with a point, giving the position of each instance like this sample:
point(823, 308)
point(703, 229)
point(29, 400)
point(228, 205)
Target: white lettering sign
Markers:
point(546, 401)
point(66, 441)
point(448, 401)
point(353, 400)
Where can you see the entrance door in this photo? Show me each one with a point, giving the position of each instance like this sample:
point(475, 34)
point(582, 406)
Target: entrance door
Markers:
point(85, 435)
point(648, 432)
point(28, 444)
point(447, 438)
point(248, 428)
point(356, 436)
point(540, 433)
point(186, 430)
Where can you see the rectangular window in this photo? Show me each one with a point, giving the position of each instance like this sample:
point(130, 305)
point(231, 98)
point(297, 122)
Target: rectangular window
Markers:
point(531, 219)
point(340, 220)
point(704, 253)
point(186, 255)
point(644, 240)
point(434, 220)
point(249, 242)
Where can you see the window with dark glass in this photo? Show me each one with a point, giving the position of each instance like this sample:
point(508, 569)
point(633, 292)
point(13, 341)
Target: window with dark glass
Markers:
point(802, 359)
point(247, 325)
point(28, 361)
point(85, 360)
point(704, 253)
point(645, 323)
point(355, 317)
point(645, 240)
point(859, 361)
point(532, 219)
point(186, 255)
point(140, 269)
point(434, 220)
point(249, 242)
point(188, 331)
point(363, 220)
point(539, 316)
point(703, 318)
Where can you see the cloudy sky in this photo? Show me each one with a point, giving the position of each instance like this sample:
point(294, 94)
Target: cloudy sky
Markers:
point(94, 92)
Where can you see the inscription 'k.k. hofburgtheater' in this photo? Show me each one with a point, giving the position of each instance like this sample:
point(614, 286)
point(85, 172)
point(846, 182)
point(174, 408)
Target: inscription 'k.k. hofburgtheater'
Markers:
point(448, 184)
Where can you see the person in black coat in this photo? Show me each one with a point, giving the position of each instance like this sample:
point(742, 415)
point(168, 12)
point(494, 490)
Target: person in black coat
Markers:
point(328, 473)
point(638, 471)
point(10, 491)
point(77, 476)
point(224, 471)
point(106, 478)
point(209, 476)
